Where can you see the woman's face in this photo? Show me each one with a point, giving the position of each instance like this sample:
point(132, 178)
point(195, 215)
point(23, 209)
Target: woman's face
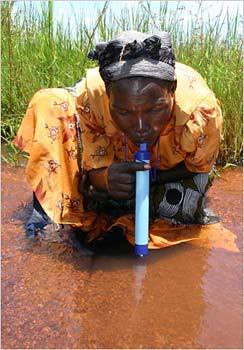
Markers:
point(140, 107)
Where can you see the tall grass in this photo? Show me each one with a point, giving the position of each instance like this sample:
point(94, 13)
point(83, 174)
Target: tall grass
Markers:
point(38, 54)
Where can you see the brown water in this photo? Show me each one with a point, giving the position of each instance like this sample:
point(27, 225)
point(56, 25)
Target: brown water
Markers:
point(187, 296)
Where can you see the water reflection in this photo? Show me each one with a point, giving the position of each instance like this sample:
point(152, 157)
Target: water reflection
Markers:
point(157, 302)
point(140, 271)
point(187, 296)
point(221, 322)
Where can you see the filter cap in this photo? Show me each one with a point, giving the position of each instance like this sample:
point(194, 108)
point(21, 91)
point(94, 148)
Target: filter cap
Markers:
point(142, 153)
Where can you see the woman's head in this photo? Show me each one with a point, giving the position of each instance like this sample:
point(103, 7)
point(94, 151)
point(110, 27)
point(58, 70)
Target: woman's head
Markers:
point(141, 107)
point(139, 74)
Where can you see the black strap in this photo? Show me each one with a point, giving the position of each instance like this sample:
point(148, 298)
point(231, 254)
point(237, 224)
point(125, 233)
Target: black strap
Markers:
point(79, 143)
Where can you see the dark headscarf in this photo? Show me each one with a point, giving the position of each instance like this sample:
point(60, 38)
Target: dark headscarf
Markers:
point(136, 54)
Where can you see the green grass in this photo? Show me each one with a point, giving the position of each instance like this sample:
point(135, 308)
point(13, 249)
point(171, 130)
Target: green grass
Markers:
point(36, 54)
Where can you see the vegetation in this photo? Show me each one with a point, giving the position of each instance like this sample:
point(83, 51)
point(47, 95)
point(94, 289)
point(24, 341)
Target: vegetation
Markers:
point(38, 53)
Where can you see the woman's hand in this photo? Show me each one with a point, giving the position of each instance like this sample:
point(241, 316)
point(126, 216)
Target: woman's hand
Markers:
point(121, 179)
point(88, 190)
point(118, 180)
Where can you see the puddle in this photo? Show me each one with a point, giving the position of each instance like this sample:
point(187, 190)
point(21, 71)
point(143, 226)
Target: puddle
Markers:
point(187, 296)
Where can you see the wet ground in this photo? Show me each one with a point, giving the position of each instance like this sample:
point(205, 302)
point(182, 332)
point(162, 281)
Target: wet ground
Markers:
point(187, 296)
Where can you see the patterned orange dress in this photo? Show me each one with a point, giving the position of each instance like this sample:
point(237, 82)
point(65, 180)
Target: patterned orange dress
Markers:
point(48, 133)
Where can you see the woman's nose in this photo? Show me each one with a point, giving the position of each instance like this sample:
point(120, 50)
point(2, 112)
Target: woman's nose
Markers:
point(141, 126)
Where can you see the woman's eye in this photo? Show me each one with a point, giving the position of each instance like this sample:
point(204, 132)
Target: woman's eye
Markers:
point(124, 113)
point(159, 109)
point(156, 110)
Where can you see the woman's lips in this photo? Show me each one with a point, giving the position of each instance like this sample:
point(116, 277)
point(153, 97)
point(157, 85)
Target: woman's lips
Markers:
point(149, 140)
point(138, 142)
point(141, 139)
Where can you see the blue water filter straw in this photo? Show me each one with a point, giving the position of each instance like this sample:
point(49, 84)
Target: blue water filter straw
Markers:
point(142, 203)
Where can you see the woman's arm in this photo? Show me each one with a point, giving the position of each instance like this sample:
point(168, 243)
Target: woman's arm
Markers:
point(123, 174)
point(175, 174)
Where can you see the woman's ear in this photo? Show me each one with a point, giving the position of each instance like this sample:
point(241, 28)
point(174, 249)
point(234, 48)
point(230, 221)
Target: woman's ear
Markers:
point(173, 87)
point(107, 87)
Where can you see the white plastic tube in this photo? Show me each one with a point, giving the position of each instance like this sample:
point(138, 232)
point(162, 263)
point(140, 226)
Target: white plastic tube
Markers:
point(142, 204)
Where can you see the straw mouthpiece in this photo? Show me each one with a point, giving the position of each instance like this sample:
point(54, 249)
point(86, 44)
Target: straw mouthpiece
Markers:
point(143, 147)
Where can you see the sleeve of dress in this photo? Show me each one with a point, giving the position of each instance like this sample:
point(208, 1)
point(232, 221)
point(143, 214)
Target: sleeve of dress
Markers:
point(97, 149)
point(25, 135)
point(202, 135)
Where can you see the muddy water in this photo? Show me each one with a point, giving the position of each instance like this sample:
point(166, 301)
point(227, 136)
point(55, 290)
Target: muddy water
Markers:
point(187, 296)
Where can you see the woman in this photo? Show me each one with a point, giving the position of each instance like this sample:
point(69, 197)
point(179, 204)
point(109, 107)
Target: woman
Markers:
point(138, 94)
